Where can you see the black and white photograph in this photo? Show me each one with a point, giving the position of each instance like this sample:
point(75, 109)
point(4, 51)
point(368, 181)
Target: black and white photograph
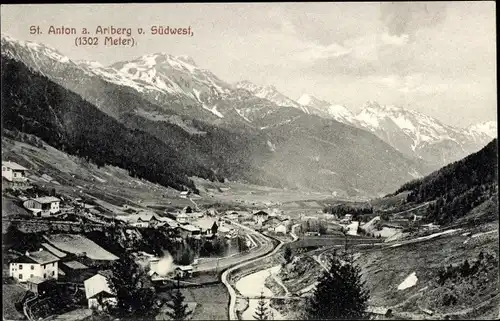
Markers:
point(249, 161)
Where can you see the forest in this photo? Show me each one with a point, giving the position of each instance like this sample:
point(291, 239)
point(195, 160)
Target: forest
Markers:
point(456, 188)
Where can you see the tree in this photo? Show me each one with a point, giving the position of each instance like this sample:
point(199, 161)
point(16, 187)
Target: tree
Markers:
point(214, 228)
point(340, 293)
point(261, 311)
point(287, 254)
point(322, 228)
point(179, 308)
point(127, 281)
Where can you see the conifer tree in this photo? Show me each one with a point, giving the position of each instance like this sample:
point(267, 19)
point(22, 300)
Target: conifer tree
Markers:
point(179, 308)
point(262, 311)
point(340, 293)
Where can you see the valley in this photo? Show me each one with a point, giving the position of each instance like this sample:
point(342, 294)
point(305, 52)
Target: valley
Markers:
point(151, 187)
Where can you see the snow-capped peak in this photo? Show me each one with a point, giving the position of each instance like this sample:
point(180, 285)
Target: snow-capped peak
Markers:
point(268, 92)
point(311, 101)
point(92, 64)
point(187, 59)
point(32, 48)
point(488, 128)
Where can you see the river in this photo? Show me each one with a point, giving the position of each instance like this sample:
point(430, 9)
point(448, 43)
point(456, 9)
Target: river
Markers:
point(252, 285)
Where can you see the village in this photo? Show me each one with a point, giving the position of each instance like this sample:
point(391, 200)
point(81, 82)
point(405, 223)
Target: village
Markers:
point(73, 263)
point(64, 251)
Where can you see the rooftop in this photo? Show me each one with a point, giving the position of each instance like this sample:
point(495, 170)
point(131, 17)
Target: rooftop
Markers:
point(40, 257)
point(47, 199)
point(189, 227)
point(75, 265)
point(204, 223)
point(53, 250)
point(36, 280)
point(13, 166)
point(184, 267)
point(97, 284)
point(261, 213)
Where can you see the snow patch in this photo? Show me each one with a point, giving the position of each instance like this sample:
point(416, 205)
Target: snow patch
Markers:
point(411, 280)
point(213, 110)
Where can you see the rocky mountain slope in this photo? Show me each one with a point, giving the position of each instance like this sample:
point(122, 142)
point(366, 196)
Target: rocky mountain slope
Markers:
point(410, 132)
point(211, 128)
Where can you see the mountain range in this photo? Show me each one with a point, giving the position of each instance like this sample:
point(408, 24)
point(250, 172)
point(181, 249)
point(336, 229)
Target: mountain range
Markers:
point(247, 132)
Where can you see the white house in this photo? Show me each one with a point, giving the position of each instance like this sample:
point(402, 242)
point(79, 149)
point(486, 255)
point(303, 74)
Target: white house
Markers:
point(98, 291)
point(182, 218)
point(260, 217)
point(185, 194)
point(41, 264)
point(13, 172)
point(184, 271)
point(280, 228)
point(43, 206)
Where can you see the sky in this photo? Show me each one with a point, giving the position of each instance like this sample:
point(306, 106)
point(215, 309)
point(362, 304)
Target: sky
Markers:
point(438, 58)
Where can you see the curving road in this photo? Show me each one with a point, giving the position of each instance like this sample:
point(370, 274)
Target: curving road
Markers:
point(264, 245)
point(232, 292)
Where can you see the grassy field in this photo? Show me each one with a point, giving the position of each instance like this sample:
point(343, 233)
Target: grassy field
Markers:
point(212, 301)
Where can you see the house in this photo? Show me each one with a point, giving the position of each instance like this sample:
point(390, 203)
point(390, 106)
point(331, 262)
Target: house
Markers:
point(183, 271)
point(14, 172)
point(75, 271)
point(417, 217)
point(43, 206)
point(141, 222)
point(99, 292)
point(188, 230)
point(260, 217)
point(40, 286)
point(280, 229)
point(182, 218)
point(159, 221)
point(207, 225)
point(40, 264)
point(227, 232)
point(185, 194)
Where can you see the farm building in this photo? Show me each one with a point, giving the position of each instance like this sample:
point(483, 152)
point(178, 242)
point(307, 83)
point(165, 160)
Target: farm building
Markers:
point(75, 271)
point(14, 172)
point(188, 230)
point(280, 229)
point(260, 217)
point(53, 250)
point(43, 206)
point(40, 264)
point(98, 291)
point(40, 286)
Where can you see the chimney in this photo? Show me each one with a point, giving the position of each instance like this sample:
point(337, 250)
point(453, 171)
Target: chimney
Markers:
point(27, 253)
point(40, 249)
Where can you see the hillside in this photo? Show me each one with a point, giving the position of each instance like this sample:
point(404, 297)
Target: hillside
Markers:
point(33, 104)
point(456, 189)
